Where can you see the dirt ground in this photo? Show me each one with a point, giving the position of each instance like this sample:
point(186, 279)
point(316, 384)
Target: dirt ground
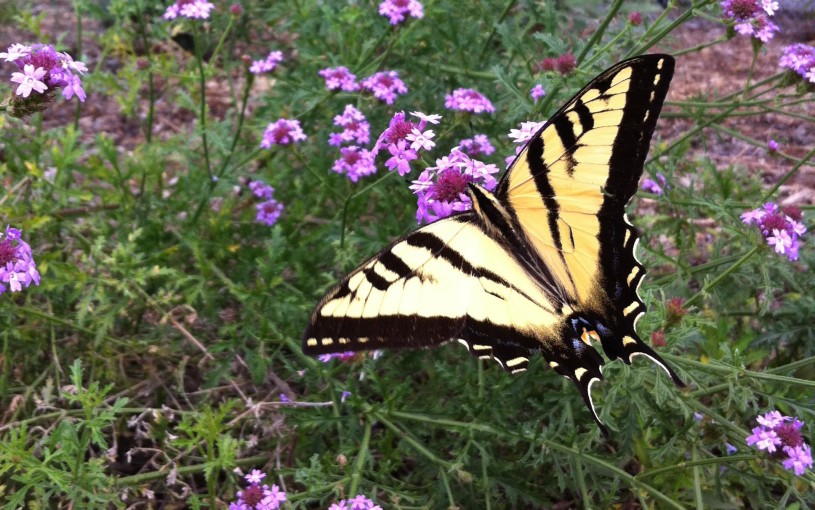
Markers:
point(711, 72)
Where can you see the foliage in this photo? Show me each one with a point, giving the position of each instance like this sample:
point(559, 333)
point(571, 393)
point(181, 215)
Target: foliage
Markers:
point(161, 292)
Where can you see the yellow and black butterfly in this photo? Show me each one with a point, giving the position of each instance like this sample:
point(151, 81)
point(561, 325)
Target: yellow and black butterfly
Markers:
point(545, 263)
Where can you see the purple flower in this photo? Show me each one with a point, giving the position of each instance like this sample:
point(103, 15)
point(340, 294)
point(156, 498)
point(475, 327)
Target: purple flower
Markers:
point(283, 398)
point(339, 78)
point(282, 132)
point(400, 127)
point(17, 267)
point(261, 190)
point(395, 10)
point(342, 356)
point(357, 503)
point(268, 64)
point(355, 163)
point(468, 100)
point(257, 497)
point(521, 136)
point(400, 157)
point(657, 188)
point(477, 145)
point(385, 86)
point(799, 459)
point(43, 69)
point(344, 395)
point(730, 448)
point(772, 146)
point(750, 18)
point(537, 92)
point(781, 228)
point(801, 59)
point(442, 190)
point(355, 127)
point(269, 212)
point(192, 9)
point(781, 436)
point(764, 439)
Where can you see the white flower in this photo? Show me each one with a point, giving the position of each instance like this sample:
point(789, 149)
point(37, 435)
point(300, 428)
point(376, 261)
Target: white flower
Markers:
point(421, 140)
point(15, 51)
point(29, 80)
point(433, 119)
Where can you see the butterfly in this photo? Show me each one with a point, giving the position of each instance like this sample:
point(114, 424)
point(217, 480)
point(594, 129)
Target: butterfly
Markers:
point(544, 263)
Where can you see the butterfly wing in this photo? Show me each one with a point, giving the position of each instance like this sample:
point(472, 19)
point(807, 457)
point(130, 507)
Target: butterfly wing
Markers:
point(569, 187)
point(448, 280)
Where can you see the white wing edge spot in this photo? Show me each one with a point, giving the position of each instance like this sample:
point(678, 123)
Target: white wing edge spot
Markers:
point(628, 310)
point(516, 361)
point(580, 372)
point(327, 341)
point(311, 342)
point(628, 340)
point(591, 400)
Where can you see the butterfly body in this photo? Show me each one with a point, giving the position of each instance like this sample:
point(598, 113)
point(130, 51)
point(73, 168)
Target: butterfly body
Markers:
point(545, 263)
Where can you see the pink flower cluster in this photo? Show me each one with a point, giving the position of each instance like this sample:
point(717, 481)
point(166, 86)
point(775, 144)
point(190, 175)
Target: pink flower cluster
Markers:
point(468, 100)
point(339, 78)
point(396, 10)
point(752, 17)
point(268, 64)
point(268, 211)
point(44, 69)
point(282, 132)
point(781, 227)
point(17, 266)
point(781, 436)
point(801, 59)
point(477, 145)
point(442, 189)
point(522, 136)
point(385, 86)
point(258, 497)
point(404, 138)
point(355, 161)
point(357, 503)
point(192, 9)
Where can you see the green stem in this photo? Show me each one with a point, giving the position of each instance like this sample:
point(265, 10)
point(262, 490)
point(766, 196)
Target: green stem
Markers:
point(353, 196)
point(725, 370)
point(359, 463)
point(488, 41)
point(601, 29)
point(202, 112)
point(702, 462)
point(141, 479)
point(716, 281)
point(788, 175)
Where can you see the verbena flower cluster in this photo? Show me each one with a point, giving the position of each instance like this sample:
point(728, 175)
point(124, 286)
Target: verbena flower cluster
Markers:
point(17, 267)
point(478, 145)
point(192, 9)
point(442, 189)
point(781, 437)
point(355, 162)
point(468, 100)
point(257, 496)
point(339, 78)
point(781, 227)
point(564, 64)
point(385, 86)
point(282, 132)
point(268, 64)
point(657, 188)
point(268, 211)
point(801, 59)
point(44, 69)
point(397, 10)
point(752, 17)
point(404, 139)
point(521, 136)
point(357, 503)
